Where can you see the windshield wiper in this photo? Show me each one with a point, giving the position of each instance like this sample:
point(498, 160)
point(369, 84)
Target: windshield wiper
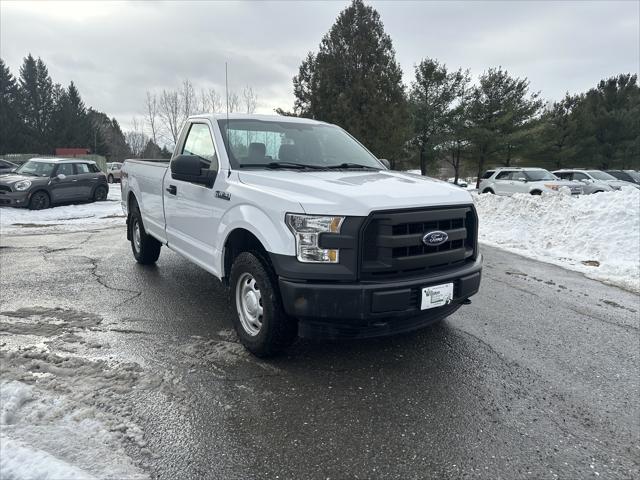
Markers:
point(353, 165)
point(300, 166)
point(276, 165)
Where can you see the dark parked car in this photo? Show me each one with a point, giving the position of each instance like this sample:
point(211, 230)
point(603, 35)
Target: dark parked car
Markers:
point(6, 166)
point(626, 175)
point(42, 182)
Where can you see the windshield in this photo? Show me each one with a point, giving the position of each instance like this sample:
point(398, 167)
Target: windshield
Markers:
point(633, 174)
point(272, 144)
point(538, 175)
point(598, 175)
point(36, 169)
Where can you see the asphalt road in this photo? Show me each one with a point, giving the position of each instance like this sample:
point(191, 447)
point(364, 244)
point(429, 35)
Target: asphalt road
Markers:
point(537, 378)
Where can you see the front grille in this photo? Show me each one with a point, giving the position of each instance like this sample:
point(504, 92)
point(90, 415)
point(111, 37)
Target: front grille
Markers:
point(393, 246)
point(4, 189)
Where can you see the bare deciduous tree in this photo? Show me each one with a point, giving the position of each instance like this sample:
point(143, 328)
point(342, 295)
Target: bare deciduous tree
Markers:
point(234, 102)
point(250, 99)
point(215, 101)
point(152, 115)
point(171, 114)
point(136, 138)
point(188, 99)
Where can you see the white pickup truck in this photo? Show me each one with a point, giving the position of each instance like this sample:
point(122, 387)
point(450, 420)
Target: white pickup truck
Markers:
point(312, 233)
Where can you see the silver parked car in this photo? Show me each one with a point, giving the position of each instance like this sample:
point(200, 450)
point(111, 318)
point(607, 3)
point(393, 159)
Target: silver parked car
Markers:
point(594, 181)
point(536, 181)
point(113, 171)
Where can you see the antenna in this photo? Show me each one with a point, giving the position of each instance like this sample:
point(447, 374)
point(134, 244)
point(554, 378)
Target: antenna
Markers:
point(226, 92)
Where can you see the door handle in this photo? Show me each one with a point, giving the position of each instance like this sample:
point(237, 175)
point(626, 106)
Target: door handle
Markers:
point(172, 189)
point(74, 180)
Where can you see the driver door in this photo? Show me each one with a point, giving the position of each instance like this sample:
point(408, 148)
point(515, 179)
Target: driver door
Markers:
point(64, 189)
point(192, 211)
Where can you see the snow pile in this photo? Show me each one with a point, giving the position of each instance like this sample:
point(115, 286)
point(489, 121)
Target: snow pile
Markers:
point(50, 436)
point(65, 217)
point(598, 235)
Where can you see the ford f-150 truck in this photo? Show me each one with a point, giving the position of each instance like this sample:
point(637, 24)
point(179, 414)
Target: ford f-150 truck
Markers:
point(312, 233)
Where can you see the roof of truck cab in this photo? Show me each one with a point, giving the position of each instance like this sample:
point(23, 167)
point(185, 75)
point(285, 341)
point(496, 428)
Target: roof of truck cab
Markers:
point(264, 118)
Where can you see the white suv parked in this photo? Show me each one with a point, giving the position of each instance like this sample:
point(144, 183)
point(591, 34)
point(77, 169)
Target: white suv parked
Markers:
point(594, 181)
point(507, 181)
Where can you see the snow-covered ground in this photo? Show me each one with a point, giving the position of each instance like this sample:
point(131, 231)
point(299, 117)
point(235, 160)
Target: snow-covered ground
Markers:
point(598, 235)
point(84, 216)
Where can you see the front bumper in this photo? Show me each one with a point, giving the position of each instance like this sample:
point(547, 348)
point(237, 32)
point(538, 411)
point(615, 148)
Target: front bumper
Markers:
point(369, 309)
point(14, 199)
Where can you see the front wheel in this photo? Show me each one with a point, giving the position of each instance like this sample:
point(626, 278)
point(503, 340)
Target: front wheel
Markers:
point(146, 249)
point(110, 178)
point(39, 201)
point(260, 320)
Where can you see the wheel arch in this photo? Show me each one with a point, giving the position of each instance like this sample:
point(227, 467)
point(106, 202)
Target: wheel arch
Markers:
point(238, 241)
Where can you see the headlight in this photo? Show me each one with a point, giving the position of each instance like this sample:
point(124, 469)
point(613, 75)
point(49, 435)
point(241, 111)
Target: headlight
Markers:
point(307, 230)
point(22, 185)
point(552, 187)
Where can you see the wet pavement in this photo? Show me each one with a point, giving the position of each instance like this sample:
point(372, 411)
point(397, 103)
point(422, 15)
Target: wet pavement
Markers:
point(537, 378)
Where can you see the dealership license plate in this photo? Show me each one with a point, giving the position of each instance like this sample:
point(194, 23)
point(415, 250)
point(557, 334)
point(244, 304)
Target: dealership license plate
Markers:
point(436, 296)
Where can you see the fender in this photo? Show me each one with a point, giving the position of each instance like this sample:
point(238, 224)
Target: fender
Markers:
point(274, 238)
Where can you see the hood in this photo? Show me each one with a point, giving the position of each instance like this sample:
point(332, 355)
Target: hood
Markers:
point(11, 178)
point(620, 183)
point(355, 193)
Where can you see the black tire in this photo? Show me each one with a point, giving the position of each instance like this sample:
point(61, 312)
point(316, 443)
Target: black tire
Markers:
point(39, 201)
point(100, 193)
point(277, 330)
point(488, 190)
point(110, 178)
point(536, 192)
point(145, 248)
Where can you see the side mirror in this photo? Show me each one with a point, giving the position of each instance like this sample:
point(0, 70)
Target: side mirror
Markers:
point(61, 176)
point(385, 162)
point(188, 168)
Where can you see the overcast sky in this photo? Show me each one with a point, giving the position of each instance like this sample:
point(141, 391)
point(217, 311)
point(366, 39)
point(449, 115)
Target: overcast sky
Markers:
point(114, 51)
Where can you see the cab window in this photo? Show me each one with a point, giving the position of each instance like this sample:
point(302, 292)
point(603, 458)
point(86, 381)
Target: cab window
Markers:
point(200, 144)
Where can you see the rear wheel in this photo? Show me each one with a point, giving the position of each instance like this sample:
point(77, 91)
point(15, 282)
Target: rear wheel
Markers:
point(39, 201)
point(536, 192)
point(488, 190)
point(100, 194)
point(260, 320)
point(146, 249)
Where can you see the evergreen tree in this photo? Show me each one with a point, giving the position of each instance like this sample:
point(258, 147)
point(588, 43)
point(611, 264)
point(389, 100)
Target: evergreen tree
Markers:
point(500, 109)
point(354, 81)
point(608, 124)
point(555, 134)
point(35, 90)
point(11, 131)
point(71, 125)
point(434, 96)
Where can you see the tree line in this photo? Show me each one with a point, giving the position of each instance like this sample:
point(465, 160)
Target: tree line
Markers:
point(354, 80)
point(37, 115)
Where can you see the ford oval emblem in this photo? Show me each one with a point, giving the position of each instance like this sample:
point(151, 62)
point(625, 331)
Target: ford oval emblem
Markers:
point(433, 239)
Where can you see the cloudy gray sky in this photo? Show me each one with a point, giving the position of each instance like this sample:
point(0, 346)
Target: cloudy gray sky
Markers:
point(116, 51)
